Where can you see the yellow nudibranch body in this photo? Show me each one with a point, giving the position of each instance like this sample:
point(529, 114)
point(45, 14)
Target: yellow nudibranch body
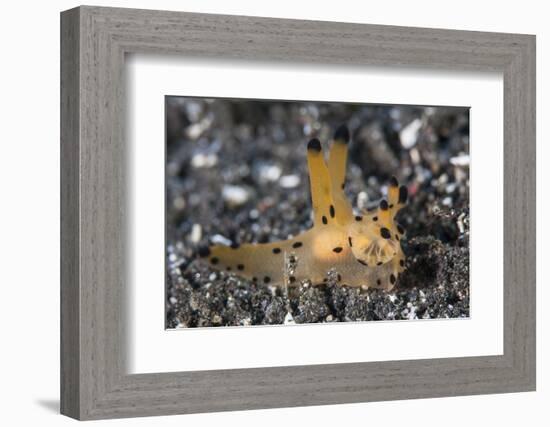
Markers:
point(357, 250)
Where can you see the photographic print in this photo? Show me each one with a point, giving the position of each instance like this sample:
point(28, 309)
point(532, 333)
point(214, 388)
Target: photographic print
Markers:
point(294, 212)
point(168, 105)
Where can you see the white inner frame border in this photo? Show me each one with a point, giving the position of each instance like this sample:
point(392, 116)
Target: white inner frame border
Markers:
point(151, 348)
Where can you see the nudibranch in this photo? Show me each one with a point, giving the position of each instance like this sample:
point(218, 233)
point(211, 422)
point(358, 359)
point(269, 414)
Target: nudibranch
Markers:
point(357, 250)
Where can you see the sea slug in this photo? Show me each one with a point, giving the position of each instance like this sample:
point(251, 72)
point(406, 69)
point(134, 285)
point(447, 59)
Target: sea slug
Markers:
point(359, 250)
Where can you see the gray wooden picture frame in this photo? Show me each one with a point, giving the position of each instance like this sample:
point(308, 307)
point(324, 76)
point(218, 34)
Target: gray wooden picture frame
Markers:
point(94, 41)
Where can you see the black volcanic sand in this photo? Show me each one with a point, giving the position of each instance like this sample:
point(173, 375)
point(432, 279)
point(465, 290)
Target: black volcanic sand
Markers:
point(237, 172)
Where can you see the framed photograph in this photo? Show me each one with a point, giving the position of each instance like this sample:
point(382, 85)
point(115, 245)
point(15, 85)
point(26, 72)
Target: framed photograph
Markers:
point(262, 213)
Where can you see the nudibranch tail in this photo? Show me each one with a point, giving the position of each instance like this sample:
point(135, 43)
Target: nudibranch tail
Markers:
point(357, 250)
point(258, 262)
point(273, 263)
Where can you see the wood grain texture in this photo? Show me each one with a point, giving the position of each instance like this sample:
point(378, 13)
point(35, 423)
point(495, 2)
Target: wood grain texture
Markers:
point(94, 382)
point(70, 291)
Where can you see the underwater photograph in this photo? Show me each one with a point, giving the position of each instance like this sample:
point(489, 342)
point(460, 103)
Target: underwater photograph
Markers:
point(294, 212)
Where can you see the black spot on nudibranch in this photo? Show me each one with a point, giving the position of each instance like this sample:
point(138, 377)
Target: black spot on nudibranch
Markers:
point(214, 260)
point(403, 194)
point(384, 205)
point(392, 279)
point(358, 218)
point(343, 185)
point(379, 263)
point(240, 267)
point(292, 279)
point(324, 220)
point(385, 233)
point(349, 241)
point(339, 277)
point(393, 181)
point(296, 245)
point(400, 229)
point(342, 134)
point(267, 279)
point(360, 261)
point(378, 282)
point(397, 237)
point(401, 263)
point(276, 250)
point(337, 250)
point(314, 145)
point(254, 279)
point(332, 212)
point(228, 268)
point(375, 218)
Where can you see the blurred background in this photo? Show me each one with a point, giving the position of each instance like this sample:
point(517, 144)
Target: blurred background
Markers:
point(236, 171)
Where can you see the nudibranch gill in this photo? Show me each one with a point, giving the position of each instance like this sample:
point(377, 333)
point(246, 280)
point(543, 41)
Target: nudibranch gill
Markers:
point(358, 250)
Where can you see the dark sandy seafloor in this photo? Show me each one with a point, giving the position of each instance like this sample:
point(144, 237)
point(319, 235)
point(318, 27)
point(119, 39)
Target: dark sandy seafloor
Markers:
point(237, 172)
